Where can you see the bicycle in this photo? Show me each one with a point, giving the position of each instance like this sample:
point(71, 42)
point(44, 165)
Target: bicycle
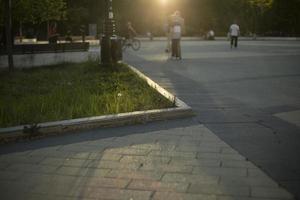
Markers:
point(134, 43)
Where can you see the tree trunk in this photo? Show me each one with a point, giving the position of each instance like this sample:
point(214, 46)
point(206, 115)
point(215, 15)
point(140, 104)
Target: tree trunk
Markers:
point(21, 32)
point(48, 30)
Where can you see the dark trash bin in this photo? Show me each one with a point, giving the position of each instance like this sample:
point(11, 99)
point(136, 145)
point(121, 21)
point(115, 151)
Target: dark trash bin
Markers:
point(116, 49)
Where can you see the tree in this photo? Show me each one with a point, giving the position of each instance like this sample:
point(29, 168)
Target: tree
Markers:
point(24, 12)
point(50, 10)
point(77, 16)
point(259, 8)
point(2, 12)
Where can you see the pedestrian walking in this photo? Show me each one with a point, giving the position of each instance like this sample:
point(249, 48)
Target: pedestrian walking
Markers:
point(177, 25)
point(234, 32)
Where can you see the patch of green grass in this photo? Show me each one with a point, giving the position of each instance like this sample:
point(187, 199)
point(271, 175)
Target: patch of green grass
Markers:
point(70, 91)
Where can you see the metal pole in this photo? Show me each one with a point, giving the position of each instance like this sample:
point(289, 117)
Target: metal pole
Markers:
point(108, 32)
point(9, 38)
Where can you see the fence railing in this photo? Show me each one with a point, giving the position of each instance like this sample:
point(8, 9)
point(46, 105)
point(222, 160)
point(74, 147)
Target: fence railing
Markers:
point(47, 48)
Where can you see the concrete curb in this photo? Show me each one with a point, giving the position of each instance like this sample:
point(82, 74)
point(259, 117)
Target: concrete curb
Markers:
point(12, 134)
point(225, 39)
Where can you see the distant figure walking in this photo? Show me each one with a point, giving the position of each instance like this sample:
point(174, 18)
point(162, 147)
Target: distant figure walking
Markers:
point(234, 32)
point(177, 25)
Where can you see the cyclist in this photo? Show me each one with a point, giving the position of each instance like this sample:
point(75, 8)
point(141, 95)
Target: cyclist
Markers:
point(130, 41)
point(130, 32)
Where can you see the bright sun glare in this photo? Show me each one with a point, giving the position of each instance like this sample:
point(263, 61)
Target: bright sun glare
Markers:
point(164, 2)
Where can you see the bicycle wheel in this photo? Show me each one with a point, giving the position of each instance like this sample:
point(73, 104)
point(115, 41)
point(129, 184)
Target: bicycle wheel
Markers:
point(136, 44)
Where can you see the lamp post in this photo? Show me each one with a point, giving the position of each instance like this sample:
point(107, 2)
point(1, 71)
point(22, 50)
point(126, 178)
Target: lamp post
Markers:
point(109, 31)
point(8, 32)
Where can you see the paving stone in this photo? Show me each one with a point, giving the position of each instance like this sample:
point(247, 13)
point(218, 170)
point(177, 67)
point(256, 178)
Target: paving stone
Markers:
point(106, 182)
point(167, 168)
point(35, 178)
point(14, 190)
point(182, 196)
point(79, 148)
point(107, 164)
point(145, 175)
point(189, 140)
point(76, 171)
point(228, 150)
point(87, 181)
point(58, 179)
point(15, 154)
point(120, 142)
point(51, 197)
point(105, 156)
point(189, 178)
point(50, 153)
point(145, 159)
point(72, 171)
point(264, 192)
point(257, 173)
point(128, 151)
point(77, 162)
point(218, 189)
point(242, 198)
point(154, 146)
point(12, 195)
point(217, 143)
point(31, 168)
point(247, 181)
point(59, 189)
point(25, 159)
point(167, 142)
point(173, 154)
point(196, 162)
point(217, 171)
point(158, 186)
point(220, 156)
point(4, 165)
point(117, 194)
point(238, 164)
point(81, 155)
point(198, 148)
point(53, 161)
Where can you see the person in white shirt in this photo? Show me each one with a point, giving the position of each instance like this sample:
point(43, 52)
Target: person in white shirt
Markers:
point(177, 26)
point(234, 32)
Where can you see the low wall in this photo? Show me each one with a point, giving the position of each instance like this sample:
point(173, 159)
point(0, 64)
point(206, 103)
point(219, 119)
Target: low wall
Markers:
point(36, 60)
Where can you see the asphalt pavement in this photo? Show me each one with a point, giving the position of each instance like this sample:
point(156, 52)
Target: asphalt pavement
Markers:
point(249, 96)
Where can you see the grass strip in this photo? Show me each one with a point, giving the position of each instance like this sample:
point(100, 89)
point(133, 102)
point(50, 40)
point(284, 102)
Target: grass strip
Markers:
point(70, 91)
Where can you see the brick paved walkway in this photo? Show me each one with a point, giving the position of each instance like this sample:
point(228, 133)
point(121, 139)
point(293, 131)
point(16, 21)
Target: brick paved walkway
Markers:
point(168, 164)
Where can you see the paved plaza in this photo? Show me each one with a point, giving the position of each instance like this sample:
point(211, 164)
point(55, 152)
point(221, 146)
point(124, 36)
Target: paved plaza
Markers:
point(242, 144)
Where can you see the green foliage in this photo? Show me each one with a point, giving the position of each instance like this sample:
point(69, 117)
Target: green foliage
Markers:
point(77, 16)
point(36, 12)
point(260, 16)
point(24, 11)
point(261, 3)
point(71, 91)
point(50, 10)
